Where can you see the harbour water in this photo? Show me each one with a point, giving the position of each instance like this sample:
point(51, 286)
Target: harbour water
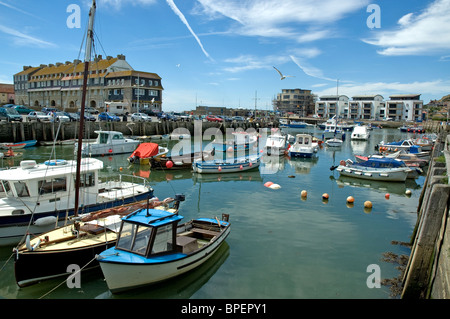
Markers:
point(281, 246)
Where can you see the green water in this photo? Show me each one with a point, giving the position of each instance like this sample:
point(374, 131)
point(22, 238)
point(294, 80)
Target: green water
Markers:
point(281, 245)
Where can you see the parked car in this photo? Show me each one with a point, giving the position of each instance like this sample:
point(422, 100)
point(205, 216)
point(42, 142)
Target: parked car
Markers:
point(90, 110)
point(140, 117)
point(213, 118)
point(8, 105)
point(60, 117)
point(108, 117)
point(49, 109)
point(238, 118)
point(38, 116)
point(10, 114)
point(87, 117)
point(73, 117)
point(21, 109)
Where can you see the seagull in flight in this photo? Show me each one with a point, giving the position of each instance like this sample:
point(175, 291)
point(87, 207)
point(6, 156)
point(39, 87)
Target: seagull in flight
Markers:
point(282, 77)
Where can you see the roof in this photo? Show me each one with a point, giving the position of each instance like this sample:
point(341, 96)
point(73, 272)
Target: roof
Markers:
point(133, 73)
point(6, 88)
point(153, 217)
point(28, 70)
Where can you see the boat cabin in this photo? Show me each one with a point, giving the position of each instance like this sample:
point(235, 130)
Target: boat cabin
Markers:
point(109, 137)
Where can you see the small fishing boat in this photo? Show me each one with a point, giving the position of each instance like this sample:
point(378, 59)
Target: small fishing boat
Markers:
point(408, 158)
point(360, 132)
point(152, 247)
point(334, 142)
point(276, 143)
point(384, 169)
point(108, 143)
point(183, 161)
point(415, 167)
point(303, 146)
point(412, 129)
point(240, 141)
point(332, 130)
point(147, 151)
point(396, 146)
point(48, 255)
point(18, 145)
point(238, 164)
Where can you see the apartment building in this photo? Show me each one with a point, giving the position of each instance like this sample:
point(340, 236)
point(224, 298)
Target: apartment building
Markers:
point(400, 107)
point(110, 79)
point(298, 101)
point(331, 105)
point(404, 107)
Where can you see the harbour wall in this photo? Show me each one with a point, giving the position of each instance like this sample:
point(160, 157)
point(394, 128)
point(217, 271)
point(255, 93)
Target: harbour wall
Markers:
point(22, 131)
point(427, 274)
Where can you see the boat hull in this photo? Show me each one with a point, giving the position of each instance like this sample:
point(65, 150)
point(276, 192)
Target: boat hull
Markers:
point(224, 167)
point(392, 175)
point(108, 149)
point(124, 276)
point(52, 264)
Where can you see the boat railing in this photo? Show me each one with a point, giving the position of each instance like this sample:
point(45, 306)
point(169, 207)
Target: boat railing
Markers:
point(132, 179)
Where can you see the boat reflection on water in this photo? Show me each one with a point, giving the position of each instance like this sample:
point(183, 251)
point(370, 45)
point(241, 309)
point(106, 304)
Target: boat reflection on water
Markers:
point(381, 186)
point(181, 287)
point(303, 165)
point(272, 164)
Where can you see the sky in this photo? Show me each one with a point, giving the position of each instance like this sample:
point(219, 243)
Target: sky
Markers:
point(223, 52)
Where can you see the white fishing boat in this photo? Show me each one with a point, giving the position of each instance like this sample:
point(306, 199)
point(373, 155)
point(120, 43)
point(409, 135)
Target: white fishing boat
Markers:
point(35, 197)
point(231, 165)
point(303, 146)
point(276, 143)
point(332, 130)
point(108, 143)
point(334, 142)
point(360, 132)
point(385, 169)
point(152, 247)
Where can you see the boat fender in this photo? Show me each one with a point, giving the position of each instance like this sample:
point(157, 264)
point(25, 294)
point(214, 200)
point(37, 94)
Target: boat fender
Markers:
point(28, 243)
point(44, 221)
point(342, 162)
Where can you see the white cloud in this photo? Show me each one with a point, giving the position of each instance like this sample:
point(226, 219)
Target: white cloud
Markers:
point(274, 18)
point(20, 38)
point(417, 34)
point(436, 88)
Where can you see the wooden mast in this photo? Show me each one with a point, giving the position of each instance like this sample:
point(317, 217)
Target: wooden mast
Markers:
point(87, 58)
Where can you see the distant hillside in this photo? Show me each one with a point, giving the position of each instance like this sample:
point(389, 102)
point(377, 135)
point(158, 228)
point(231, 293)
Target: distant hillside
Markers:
point(445, 98)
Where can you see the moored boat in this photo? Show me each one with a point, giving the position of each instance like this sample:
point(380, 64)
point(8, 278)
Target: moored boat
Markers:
point(108, 143)
point(303, 146)
point(28, 194)
point(50, 254)
point(241, 141)
point(152, 247)
point(231, 165)
point(276, 143)
point(147, 151)
point(360, 132)
point(386, 169)
point(334, 142)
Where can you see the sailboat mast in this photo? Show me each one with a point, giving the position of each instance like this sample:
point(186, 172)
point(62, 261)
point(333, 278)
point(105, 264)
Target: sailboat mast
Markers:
point(87, 58)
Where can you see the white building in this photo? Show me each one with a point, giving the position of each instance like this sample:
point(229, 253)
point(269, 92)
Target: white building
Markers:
point(366, 107)
point(404, 107)
point(331, 105)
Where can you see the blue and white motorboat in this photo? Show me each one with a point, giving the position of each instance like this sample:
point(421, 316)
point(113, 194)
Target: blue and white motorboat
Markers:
point(303, 146)
point(231, 165)
point(383, 169)
point(152, 247)
point(334, 142)
point(332, 130)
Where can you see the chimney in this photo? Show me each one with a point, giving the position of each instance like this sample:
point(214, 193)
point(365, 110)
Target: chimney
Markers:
point(121, 57)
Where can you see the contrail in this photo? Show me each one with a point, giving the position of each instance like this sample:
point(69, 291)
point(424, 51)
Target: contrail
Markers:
point(183, 19)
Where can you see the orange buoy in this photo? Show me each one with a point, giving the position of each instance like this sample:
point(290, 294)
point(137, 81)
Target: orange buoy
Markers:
point(367, 204)
point(268, 184)
point(350, 199)
point(169, 164)
point(304, 193)
point(325, 196)
point(387, 196)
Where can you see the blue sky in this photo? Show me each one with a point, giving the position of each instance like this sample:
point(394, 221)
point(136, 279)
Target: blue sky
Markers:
point(222, 52)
